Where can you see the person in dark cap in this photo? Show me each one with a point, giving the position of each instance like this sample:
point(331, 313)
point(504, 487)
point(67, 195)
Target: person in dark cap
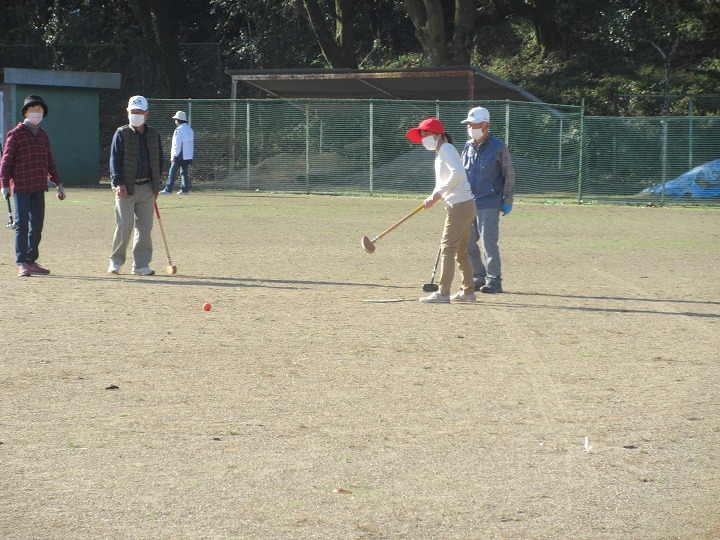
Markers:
point(27, 165)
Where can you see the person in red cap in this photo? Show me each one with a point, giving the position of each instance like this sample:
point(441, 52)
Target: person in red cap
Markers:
point(452, 186)
point(27, 165)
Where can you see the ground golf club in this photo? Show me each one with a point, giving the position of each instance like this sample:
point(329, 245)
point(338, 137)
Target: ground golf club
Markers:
point(432, 286)
point(369, 245)
point(171, 268)
point(11, 224)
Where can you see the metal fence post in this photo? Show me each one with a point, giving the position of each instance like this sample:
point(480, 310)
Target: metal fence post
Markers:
point(560, 139)
point(370, 157)
point(663, 155)
point(690, 134)
point(247, 142)
point(307, 148)
point(507, 122)
point(582, 149)
point(233, 130)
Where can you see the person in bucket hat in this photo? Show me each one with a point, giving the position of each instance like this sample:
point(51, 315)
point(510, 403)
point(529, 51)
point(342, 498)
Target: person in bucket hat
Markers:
point(452, 186)
point(27, 165)
point(181, 153)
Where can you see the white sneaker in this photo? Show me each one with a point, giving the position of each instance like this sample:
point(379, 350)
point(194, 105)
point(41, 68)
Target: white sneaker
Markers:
point(181, 192)
point(462, 297)
point(113, 268)
point(143, 271)
point(436, 298)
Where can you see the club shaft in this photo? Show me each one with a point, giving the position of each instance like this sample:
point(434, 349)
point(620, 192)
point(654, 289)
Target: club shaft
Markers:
point(162, 233)
point(395, 225)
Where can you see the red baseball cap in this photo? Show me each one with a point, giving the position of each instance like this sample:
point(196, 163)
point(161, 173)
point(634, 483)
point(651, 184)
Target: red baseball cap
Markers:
point(429, 124)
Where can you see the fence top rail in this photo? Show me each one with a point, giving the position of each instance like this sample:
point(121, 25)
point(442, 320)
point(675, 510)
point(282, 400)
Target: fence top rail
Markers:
point(473, 103)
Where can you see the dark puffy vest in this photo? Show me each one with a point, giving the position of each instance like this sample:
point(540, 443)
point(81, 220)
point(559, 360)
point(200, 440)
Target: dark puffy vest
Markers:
point(131, 149)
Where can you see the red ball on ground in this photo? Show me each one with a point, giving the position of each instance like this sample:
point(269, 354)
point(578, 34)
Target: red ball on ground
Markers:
point(206, 307)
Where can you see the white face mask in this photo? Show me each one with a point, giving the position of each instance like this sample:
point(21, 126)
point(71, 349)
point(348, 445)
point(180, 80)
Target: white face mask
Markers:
point(476, 133)
point(34, 118)
point(429, 142)
point(137, 120)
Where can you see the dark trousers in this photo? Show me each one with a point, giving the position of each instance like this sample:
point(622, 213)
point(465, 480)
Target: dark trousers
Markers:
point(184, 165)
point(30, 216)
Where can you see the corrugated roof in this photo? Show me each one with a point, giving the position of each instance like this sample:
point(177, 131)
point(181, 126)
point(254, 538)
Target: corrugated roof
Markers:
point(458, 83)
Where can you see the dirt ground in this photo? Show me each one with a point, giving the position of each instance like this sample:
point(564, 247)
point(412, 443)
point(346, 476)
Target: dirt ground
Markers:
point(582, 403)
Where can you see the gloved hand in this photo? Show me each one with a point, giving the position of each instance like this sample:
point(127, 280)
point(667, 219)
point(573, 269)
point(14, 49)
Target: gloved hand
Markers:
point(505, 208)
point(5, 193)
point(60, 192)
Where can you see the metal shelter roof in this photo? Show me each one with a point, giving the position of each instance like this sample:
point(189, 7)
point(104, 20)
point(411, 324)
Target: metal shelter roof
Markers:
point(458, 83)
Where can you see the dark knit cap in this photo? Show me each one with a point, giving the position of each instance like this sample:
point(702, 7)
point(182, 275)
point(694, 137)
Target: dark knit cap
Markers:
point(33, 100)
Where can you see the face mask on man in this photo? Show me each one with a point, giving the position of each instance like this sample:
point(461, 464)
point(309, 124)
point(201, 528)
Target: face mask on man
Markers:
point(429, 142)
point(34, 118)
point(476, 133)
point(137, 120)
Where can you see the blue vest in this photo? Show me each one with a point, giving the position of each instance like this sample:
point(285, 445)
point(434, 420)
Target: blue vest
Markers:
point(484, 172)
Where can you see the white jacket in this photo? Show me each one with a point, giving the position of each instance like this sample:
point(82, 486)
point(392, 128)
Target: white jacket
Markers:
point(450, 178)
point(183, 142)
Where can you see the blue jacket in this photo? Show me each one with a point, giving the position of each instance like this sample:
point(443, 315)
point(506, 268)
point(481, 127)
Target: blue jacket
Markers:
point(490, 172)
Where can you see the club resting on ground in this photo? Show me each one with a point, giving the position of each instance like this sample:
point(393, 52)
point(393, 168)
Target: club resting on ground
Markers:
point(171, 268)
point(432, 286)
point(369, 245)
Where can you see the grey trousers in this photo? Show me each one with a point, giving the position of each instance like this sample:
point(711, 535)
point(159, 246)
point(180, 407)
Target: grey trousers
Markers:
point(486, 231)
point(135, 211)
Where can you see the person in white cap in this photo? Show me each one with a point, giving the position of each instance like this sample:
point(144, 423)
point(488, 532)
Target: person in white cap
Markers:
point(491, 175)
point(183, 143)
point(136, 170)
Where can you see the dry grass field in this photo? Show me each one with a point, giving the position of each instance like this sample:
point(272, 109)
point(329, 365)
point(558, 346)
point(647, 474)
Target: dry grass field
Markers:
point(582, 403)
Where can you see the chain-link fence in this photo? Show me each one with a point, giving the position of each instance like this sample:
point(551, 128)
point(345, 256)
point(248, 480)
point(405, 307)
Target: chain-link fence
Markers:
point(622, 157)
point(359, 146)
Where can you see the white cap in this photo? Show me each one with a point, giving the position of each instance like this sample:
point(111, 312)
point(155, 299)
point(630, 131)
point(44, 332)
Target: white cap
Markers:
point(137, 102)
point(477, 115)
point(180, 115)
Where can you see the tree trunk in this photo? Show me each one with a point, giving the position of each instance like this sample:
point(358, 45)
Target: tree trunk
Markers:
point(466, 14)
point(430, 29)
point(163, 48)
point(429, 21)
point(337, 48)
point(541, 13)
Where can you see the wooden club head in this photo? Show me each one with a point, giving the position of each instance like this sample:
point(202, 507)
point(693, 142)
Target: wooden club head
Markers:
point(367, 244)
point(172, 269)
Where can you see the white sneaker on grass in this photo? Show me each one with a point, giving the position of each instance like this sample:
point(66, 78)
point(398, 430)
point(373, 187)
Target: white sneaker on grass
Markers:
point(436, 298)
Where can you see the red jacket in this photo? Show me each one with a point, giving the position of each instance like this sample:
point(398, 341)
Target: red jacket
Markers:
point(27, 161)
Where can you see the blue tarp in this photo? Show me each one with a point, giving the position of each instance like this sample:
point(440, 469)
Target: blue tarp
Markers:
point(702, 182)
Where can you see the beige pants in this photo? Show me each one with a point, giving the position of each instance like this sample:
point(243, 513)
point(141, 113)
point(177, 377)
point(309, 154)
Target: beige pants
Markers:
point(454, 247)
point(134, 211)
